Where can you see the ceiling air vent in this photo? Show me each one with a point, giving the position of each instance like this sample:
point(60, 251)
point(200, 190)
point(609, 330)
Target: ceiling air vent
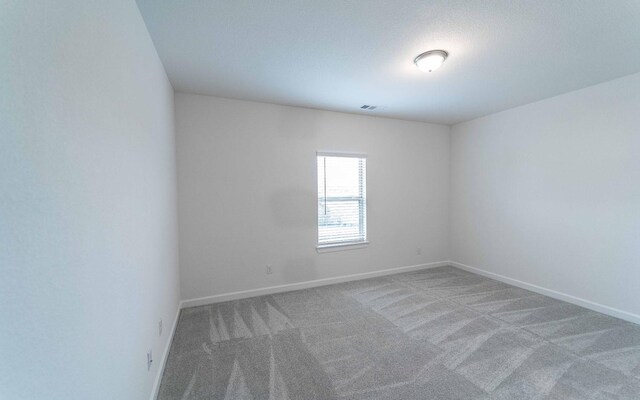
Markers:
point(368, 107)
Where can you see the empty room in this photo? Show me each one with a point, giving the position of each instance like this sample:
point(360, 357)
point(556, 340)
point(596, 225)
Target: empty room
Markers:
point(319, 200)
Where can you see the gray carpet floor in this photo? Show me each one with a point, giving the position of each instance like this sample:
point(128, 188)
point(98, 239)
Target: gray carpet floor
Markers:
point(440, 333)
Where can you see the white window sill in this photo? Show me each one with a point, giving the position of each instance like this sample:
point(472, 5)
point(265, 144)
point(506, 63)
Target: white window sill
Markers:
point(328, 248)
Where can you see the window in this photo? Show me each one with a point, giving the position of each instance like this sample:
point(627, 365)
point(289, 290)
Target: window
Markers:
point(342, 199)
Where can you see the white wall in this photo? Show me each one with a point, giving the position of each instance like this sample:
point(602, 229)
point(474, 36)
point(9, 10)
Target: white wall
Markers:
point(549, 194)
point(88, 248)
point(248, 197)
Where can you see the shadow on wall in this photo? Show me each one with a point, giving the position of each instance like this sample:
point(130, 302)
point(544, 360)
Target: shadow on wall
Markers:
point(300, 269)
point(294, 207)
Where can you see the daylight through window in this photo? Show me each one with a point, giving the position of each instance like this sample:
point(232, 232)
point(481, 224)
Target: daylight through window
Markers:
point(342, 204)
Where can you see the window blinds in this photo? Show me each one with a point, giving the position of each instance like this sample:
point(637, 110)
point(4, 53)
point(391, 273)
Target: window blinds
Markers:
point(342, 205)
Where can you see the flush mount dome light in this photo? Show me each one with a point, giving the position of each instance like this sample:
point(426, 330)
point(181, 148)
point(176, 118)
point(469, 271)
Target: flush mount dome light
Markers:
point(430, 60)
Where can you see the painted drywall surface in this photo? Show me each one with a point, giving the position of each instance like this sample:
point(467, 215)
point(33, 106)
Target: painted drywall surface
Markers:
point(247, 193)
point(549, 193)
point(88, 213)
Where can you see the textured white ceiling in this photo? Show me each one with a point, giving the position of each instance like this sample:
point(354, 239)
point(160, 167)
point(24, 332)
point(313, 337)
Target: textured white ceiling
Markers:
point(341, 54)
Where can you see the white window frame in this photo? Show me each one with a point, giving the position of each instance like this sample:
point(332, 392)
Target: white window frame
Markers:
point(339, 246)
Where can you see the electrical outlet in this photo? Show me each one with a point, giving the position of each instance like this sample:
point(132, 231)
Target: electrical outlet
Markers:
point(269, 269)
point(160, 327)
point(419, 251)
point(149, 359)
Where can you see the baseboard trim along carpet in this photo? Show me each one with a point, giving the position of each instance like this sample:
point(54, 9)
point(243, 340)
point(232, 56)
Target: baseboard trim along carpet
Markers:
point(304, 285)
point(165, 356)
point(614, 312)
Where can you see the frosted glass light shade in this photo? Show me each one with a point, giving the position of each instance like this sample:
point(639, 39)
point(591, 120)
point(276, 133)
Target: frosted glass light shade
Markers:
point(431, 60)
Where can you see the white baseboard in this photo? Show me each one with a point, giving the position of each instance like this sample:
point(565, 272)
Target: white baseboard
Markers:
point(165, 355)
point(614, 312)
point(304, 285)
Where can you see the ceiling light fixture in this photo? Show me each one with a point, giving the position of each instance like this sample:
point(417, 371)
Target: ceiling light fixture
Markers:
point(430, 60)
